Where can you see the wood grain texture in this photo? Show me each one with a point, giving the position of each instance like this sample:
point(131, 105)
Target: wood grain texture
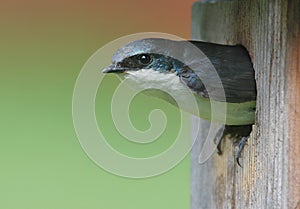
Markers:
point(293, 75)
point(270, 177)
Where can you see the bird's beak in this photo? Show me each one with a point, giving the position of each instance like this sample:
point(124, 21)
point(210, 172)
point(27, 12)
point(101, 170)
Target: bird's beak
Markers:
point(113, 69)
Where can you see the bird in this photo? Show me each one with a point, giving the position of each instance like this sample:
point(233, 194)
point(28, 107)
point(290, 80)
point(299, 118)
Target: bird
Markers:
point(173, 65)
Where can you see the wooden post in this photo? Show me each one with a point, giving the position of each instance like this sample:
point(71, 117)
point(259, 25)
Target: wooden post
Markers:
point(270, 177)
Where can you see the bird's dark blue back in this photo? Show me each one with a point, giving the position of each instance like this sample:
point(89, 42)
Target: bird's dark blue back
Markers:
point(234, 67)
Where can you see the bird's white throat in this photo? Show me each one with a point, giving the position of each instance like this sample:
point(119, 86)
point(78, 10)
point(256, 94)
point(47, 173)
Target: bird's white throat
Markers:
point(166, 86)
point(148, 78)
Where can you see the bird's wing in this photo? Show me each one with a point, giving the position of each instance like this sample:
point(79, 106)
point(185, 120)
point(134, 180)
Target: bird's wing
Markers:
point(234, 67)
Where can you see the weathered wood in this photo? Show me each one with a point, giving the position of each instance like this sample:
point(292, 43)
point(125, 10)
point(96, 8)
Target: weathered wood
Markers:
point(293, 91)
point(270, 177)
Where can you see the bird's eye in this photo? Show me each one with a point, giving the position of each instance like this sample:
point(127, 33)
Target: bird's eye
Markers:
point(144, 59)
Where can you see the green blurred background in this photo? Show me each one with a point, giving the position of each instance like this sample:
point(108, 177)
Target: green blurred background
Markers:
point(43, 46)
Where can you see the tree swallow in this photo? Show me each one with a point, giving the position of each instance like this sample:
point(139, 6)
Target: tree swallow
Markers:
point(152, 60)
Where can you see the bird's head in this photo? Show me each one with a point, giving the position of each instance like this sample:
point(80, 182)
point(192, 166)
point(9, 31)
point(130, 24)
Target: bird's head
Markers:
point(157, 63)
point(145, 54)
